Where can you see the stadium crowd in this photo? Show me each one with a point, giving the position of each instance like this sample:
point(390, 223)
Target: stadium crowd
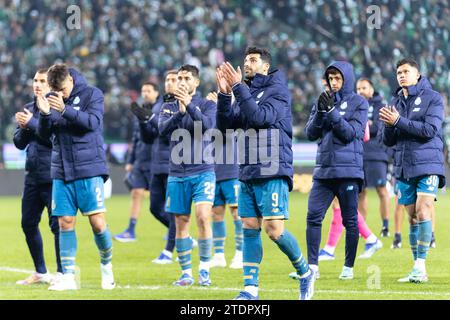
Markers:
point(122, 43)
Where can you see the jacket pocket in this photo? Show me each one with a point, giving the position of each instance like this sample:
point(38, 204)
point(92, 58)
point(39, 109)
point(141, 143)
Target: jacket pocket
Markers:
point(427, 156)
point(345, 157)
point(324, 159)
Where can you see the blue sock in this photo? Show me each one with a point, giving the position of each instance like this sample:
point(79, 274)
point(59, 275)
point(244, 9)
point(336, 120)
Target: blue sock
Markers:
point(252, 256)
point(219, 234)
point(132, 225)
point(184, 249)
point(238, 236)
point(423, 243)
point(204, 249)
point(104, 245)
point(413, 238)
point(386, 223)
point(289, 245)
point(68, 250)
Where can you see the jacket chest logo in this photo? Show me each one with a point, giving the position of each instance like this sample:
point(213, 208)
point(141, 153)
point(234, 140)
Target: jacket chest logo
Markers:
point(76, 100)
point(343, 105)
point(418, 101)
point(260, 95)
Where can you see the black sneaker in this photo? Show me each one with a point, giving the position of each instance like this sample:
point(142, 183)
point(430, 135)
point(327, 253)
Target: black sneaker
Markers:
point(384, 233)
point(397, 244)
point(433, 243)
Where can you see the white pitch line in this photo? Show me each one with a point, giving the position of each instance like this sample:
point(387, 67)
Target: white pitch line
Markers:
point(15, 270)
point(368, 292)
point(364, 292)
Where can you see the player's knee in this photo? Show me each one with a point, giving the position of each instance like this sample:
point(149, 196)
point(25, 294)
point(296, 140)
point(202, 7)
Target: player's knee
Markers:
point(423, 211)
point(29, 225)
point(314, 218)
point(66, 223)
point(137, 194)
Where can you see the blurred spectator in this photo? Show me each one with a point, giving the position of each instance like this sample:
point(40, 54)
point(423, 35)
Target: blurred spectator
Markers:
point(123, 43)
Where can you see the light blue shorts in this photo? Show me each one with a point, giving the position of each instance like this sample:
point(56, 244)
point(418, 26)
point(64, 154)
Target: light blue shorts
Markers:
point(408, 189)
point(266, 198)
point(227, 192)
point(87, 195)
point(181, 191)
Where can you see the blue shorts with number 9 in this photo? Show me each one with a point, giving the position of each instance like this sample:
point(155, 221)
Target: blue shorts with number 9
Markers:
point(408, 189)
point(84, 194)
point(181, 191)
point(266, 198)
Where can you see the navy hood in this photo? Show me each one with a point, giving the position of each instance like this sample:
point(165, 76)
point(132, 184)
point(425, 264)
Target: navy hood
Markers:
point(346, 69)
point(422, 84)
point(79, 82)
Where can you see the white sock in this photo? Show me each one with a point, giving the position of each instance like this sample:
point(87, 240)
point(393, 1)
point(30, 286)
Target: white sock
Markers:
point(204, 265)
point(420, 264)
point(167, 253)
point(188, 271)
point(371, 239)
point(329, 249)
point(220, 255)
point(253, 290)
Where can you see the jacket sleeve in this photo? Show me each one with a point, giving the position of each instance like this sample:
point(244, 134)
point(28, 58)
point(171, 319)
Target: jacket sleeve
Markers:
point(45, 126)
point(228, 115)
point(22, 138)
point(314, 126)
point(207, 117)
point(92, 118)
point(149, 129)
point(376, 123)
point(428, 128)
point(348, 131)
point(134, 141)
point(389, 135)
point(261, 115)
point(168, 122)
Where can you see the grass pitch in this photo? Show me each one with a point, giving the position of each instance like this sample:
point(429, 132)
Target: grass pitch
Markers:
point(138, 278)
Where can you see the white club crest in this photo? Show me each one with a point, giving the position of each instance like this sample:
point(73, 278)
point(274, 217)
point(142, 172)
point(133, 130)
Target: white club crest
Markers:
point(418, 101)
point(76, 100)
point(344, 105)
point(260, 95)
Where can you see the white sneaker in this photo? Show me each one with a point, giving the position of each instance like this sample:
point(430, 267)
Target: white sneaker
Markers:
point(107, 277)
point(64, 282)
point(36, 278)
point(237, 262)
point(371, 248)
point(218, 260)
point(56, 278)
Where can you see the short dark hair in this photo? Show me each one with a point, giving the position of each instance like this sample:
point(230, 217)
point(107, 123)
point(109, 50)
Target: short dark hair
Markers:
point(366, 79)
point(332, 70)
point(264, 53)
point(189, 68)
point(410, 61)
point(41, 70)
point(172, 71)
point(151, 83)
point(56, 75)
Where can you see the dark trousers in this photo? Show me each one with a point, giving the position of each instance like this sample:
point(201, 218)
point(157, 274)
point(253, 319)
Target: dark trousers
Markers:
point(35, 199)
point(320, 198)
point(158, 189)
